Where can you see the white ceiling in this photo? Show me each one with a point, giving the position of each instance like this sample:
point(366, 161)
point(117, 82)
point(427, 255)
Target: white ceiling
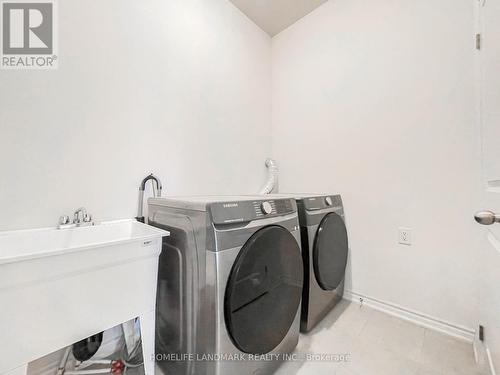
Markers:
point(273, 16)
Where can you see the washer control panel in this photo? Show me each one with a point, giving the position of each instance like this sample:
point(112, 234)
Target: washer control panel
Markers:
point(321, 202)
point(266, 208)
point(244, 211)
point(329, 201)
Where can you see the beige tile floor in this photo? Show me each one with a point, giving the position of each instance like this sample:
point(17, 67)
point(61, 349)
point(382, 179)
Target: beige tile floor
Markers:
point(380, 344)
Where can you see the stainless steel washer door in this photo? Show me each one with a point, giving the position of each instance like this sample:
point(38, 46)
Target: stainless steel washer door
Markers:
point(264, 290)
point(330, 252)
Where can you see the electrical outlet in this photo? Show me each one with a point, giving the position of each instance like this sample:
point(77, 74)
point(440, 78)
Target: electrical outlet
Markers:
point(405, 236)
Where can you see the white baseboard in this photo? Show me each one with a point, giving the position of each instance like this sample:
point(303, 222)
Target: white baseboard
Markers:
point(415, 317)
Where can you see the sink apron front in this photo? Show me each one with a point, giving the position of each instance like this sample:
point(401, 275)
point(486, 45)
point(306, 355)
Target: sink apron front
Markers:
point(49, 303)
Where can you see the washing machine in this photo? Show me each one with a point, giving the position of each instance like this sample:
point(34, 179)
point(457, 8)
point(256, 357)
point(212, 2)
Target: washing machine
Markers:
point(229, 284)
point(325, 251)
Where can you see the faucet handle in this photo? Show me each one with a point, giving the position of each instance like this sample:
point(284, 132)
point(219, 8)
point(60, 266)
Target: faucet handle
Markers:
point(63, 220)
point(87, 218)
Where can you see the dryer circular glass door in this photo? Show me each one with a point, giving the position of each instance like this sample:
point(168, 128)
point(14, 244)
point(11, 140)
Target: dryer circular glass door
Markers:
point(263, 291)
point(330, 252)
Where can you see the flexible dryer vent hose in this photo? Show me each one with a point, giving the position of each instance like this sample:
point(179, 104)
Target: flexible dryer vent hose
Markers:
point(271, 185)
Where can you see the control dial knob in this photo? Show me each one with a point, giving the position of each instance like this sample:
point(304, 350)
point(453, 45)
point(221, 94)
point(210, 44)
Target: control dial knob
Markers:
point(329, 201)
point(266, 208)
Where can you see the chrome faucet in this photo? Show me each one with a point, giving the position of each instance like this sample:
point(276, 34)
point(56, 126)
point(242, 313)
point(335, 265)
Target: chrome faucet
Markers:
point(156, 193)
point(81, 218)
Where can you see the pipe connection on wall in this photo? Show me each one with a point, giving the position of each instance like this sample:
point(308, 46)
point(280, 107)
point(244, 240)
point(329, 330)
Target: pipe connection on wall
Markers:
point(271, 185)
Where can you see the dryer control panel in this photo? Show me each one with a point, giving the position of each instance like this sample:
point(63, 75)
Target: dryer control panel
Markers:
point(244, 211)
point(321, 202)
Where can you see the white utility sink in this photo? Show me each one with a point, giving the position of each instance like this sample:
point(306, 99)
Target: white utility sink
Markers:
point(59, 286)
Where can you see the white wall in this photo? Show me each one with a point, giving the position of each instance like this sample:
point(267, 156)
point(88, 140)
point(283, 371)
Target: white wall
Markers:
point(375, 100)
point(370, 99)
point(180, 88)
